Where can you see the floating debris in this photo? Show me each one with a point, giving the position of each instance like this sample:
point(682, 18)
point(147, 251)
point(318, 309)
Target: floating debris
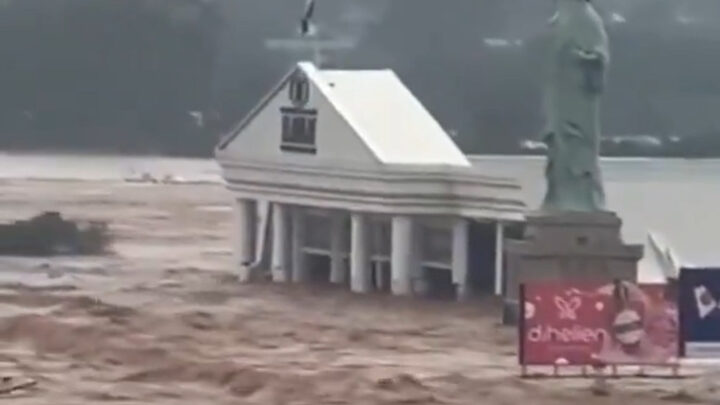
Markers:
point(49, 234)
point(8, 385)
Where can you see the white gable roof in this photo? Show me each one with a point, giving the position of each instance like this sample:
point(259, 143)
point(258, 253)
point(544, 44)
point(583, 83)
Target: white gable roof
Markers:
point(383, 113)
point(391, 121)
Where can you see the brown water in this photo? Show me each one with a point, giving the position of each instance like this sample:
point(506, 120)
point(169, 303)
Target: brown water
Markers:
point(163, 321)
point(677, 198)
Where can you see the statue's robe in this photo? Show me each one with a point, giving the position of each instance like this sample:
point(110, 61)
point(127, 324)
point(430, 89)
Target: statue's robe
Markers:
point(579, 59)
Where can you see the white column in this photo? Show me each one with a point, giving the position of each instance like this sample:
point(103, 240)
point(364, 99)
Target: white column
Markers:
point(299, 269)
point(402, 257)
point(280, 254)
point(244, 232)
point(360, 274)
point(262, 209)
point(460, 240)
point(338, 268)
point(420, 283)
point(499, 251)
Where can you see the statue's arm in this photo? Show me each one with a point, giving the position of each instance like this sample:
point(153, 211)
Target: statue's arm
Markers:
point(589, 55)
point(592, 62)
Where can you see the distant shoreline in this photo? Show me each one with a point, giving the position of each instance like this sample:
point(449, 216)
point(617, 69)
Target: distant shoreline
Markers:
point(200, 156)
point(491, 156)
point(101, 153)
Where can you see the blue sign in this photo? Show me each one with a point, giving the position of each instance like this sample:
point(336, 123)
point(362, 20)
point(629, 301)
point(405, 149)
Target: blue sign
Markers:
point(699, 305)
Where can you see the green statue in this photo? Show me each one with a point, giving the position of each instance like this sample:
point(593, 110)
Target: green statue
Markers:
point(579, 59)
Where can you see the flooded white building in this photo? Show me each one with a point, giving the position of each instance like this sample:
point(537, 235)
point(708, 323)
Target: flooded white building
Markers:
point(342, 176)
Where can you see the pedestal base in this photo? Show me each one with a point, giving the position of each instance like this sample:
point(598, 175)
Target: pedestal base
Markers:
point(568, 246)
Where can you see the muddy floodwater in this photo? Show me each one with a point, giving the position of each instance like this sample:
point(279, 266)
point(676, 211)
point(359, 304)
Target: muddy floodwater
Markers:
point(162, 320)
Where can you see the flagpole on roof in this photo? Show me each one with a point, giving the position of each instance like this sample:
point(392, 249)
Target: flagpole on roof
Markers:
point(309, 40)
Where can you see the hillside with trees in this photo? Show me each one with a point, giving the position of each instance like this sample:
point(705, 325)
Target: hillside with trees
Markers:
point(169, 76)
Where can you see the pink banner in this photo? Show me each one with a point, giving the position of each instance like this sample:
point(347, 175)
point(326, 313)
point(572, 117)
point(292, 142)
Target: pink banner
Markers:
point(596, 324)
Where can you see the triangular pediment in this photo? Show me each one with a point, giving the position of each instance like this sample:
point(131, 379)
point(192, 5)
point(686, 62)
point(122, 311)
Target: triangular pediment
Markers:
point(297, 123)
point(346, 117)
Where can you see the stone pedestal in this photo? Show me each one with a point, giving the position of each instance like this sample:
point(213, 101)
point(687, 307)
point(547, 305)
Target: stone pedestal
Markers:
point(568, 246)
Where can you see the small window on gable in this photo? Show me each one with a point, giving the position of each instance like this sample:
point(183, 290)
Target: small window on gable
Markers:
point(298, 130)
point(299, 90)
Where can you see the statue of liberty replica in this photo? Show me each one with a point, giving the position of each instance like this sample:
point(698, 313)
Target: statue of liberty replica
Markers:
point(573, 236)
point(578, 61)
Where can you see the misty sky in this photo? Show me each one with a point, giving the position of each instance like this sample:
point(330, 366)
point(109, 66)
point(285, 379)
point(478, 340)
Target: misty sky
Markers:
point(126, 73)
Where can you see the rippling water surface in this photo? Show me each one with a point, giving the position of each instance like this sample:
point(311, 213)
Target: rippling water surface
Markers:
point(679, 198)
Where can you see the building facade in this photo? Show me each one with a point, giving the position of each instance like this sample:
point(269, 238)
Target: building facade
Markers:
point(342, 176)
